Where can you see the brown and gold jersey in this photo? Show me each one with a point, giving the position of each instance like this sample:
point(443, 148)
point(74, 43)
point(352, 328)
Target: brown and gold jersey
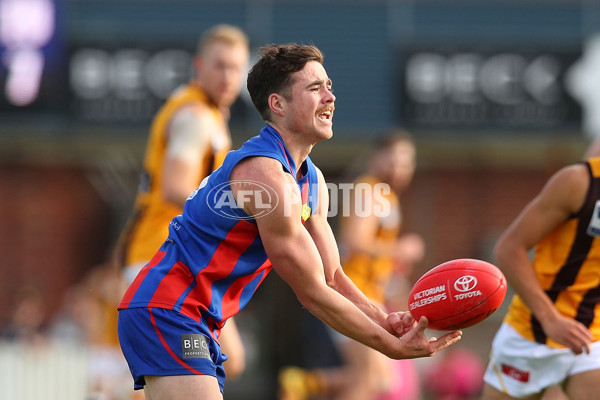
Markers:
point(567, 264)
point(369, 273)
point(149, 225)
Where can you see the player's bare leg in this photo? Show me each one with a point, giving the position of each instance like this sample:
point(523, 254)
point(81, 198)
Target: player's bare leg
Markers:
point(583, 386)
point(554, 393)
point(232, 345)
point(182, 387)
point(491, 393)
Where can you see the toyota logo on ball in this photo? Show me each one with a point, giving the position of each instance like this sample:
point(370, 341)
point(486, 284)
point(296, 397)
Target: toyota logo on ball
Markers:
point(465, 283)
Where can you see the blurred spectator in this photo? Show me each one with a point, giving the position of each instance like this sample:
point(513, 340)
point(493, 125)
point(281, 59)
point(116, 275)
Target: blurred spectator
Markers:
point(87, 319)
point(455, 375)
point(88, 308)
point(26, 324)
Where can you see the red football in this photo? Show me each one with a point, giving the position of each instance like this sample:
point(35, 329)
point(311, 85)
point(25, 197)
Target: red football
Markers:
point(457, 294)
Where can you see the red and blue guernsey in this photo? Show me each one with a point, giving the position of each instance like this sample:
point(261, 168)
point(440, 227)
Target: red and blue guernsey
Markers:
point(213, 259)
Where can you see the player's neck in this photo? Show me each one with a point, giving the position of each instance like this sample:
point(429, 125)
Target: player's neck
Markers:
point(296, 145)
point(298, 151)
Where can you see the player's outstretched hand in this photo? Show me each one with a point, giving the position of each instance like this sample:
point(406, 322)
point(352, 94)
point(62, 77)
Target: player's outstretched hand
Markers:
point(414, 343)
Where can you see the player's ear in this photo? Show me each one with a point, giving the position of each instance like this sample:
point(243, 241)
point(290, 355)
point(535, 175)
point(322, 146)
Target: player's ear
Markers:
point(277, 104)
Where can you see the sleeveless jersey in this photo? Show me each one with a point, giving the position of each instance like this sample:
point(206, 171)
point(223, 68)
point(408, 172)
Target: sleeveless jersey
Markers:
point(214, 260)
point(369, 273)
point(148, 227)
point(567, 265)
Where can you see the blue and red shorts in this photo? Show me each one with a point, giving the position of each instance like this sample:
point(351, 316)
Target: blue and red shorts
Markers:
point(162, 342)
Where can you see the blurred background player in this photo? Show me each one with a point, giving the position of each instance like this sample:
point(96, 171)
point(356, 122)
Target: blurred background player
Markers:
point(373, 253)
point(550, 335)
point(189, 138)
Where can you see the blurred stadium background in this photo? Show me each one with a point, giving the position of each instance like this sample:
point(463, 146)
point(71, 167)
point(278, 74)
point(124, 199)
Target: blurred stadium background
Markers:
point(498, 95)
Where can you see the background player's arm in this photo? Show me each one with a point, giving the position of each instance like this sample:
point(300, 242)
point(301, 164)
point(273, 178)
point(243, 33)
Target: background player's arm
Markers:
point(296, 259)
point(360, 233)
point(189, 136)
point(562, 196)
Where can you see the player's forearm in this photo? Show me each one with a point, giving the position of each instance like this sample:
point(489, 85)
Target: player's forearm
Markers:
point(180, 178)
point(373, 248)
point(514, 262)
point(344, 285)
point(335, 276)
point(177, 198)
point(342, 315)
point(535, 298)
point(297, 261)
point(177, 190)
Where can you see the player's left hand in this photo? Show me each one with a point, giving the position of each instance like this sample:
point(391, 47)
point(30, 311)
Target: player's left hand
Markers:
point(415, 343)
point(568, 332)
point(398, 323)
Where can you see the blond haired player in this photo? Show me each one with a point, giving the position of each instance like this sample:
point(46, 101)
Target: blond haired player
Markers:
point(189, 138)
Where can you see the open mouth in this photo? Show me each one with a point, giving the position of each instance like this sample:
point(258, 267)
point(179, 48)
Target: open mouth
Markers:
point(326, 115)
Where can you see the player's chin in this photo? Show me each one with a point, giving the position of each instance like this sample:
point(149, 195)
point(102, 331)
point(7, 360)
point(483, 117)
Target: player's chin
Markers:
point(226, 97)
point(226, 101)
point(326, 130)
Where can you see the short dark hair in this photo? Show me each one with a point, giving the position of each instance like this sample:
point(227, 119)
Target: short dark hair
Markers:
point(272, 73)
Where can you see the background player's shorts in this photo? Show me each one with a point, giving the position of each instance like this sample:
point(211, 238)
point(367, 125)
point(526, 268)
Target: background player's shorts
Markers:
point(520, 367)
point(161, 342)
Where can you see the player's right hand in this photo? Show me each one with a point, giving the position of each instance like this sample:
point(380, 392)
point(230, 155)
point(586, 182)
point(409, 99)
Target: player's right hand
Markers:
point(399, 323)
